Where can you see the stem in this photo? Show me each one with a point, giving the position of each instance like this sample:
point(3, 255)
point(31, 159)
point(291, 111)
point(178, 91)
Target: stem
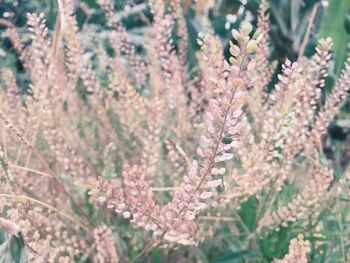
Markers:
point(164, 189)
point(145, 250)
point(308, 31)
point(218, 218)
point(63, 188)
point(342, 247)
point(24, 140)
point(29, 170)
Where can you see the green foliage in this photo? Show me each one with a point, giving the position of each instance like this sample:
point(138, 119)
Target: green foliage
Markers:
point(334, 24)
point(275, 244)
point(12, 249)
point(248, 213)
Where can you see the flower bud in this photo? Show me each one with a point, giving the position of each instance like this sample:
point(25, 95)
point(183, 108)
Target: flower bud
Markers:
point(260, 37)
point(246, 27)
point(252, 46)
point(235, 34)
point(234, 50)
point(233, 61)
point(200, 42)
point(257, 33)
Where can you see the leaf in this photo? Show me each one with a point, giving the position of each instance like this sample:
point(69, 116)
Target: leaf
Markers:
point(236, 256)
point(334, 25)
point(347, 23)
point(13, 249)
point(275, 244)
point(156, 256)
point(248, 213)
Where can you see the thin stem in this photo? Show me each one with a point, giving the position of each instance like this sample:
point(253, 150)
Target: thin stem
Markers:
point(29, 170)
point(6, 23)
point(145, 250)
point(308, 31)
point(63, 188)
point(164, 189)
point(24, 140)
point(218, 218)
point(340, 229)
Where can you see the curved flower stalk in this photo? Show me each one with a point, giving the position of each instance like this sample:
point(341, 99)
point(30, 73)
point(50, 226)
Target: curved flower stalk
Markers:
point(259, 158)
point(121, 84)
point(306, 203)
point(222, 120)
point(260, 76)
point(182, 33)
point(42, 80)
point(106, 251)
point(166, 80)
point(73, 40)
point(211, 63)
point(286, 125)
point(176, 221)
point(39, 54)
point(44, 89)
point(134, 200)
point(122, 44)
point(98, 100)
point(308, 97)
point(333, 103)
point(300, 109)
point(9, 125)
point(299, 249)
point(167, 90)
point(128, 99)
point(165, 84)
point(151, 143)
point(12, 34)
point(300, 106)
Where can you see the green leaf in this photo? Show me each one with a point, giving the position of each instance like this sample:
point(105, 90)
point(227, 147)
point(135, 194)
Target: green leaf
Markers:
point(248, 213)
point(238, 256)
point(275, 244)
point(13, 250)
point(156, 256)
point(347, 23)
point(334, 25)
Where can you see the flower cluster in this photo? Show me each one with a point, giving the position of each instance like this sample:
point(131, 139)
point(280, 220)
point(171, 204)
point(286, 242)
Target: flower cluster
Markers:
point(298, 251)
point(118, 132)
